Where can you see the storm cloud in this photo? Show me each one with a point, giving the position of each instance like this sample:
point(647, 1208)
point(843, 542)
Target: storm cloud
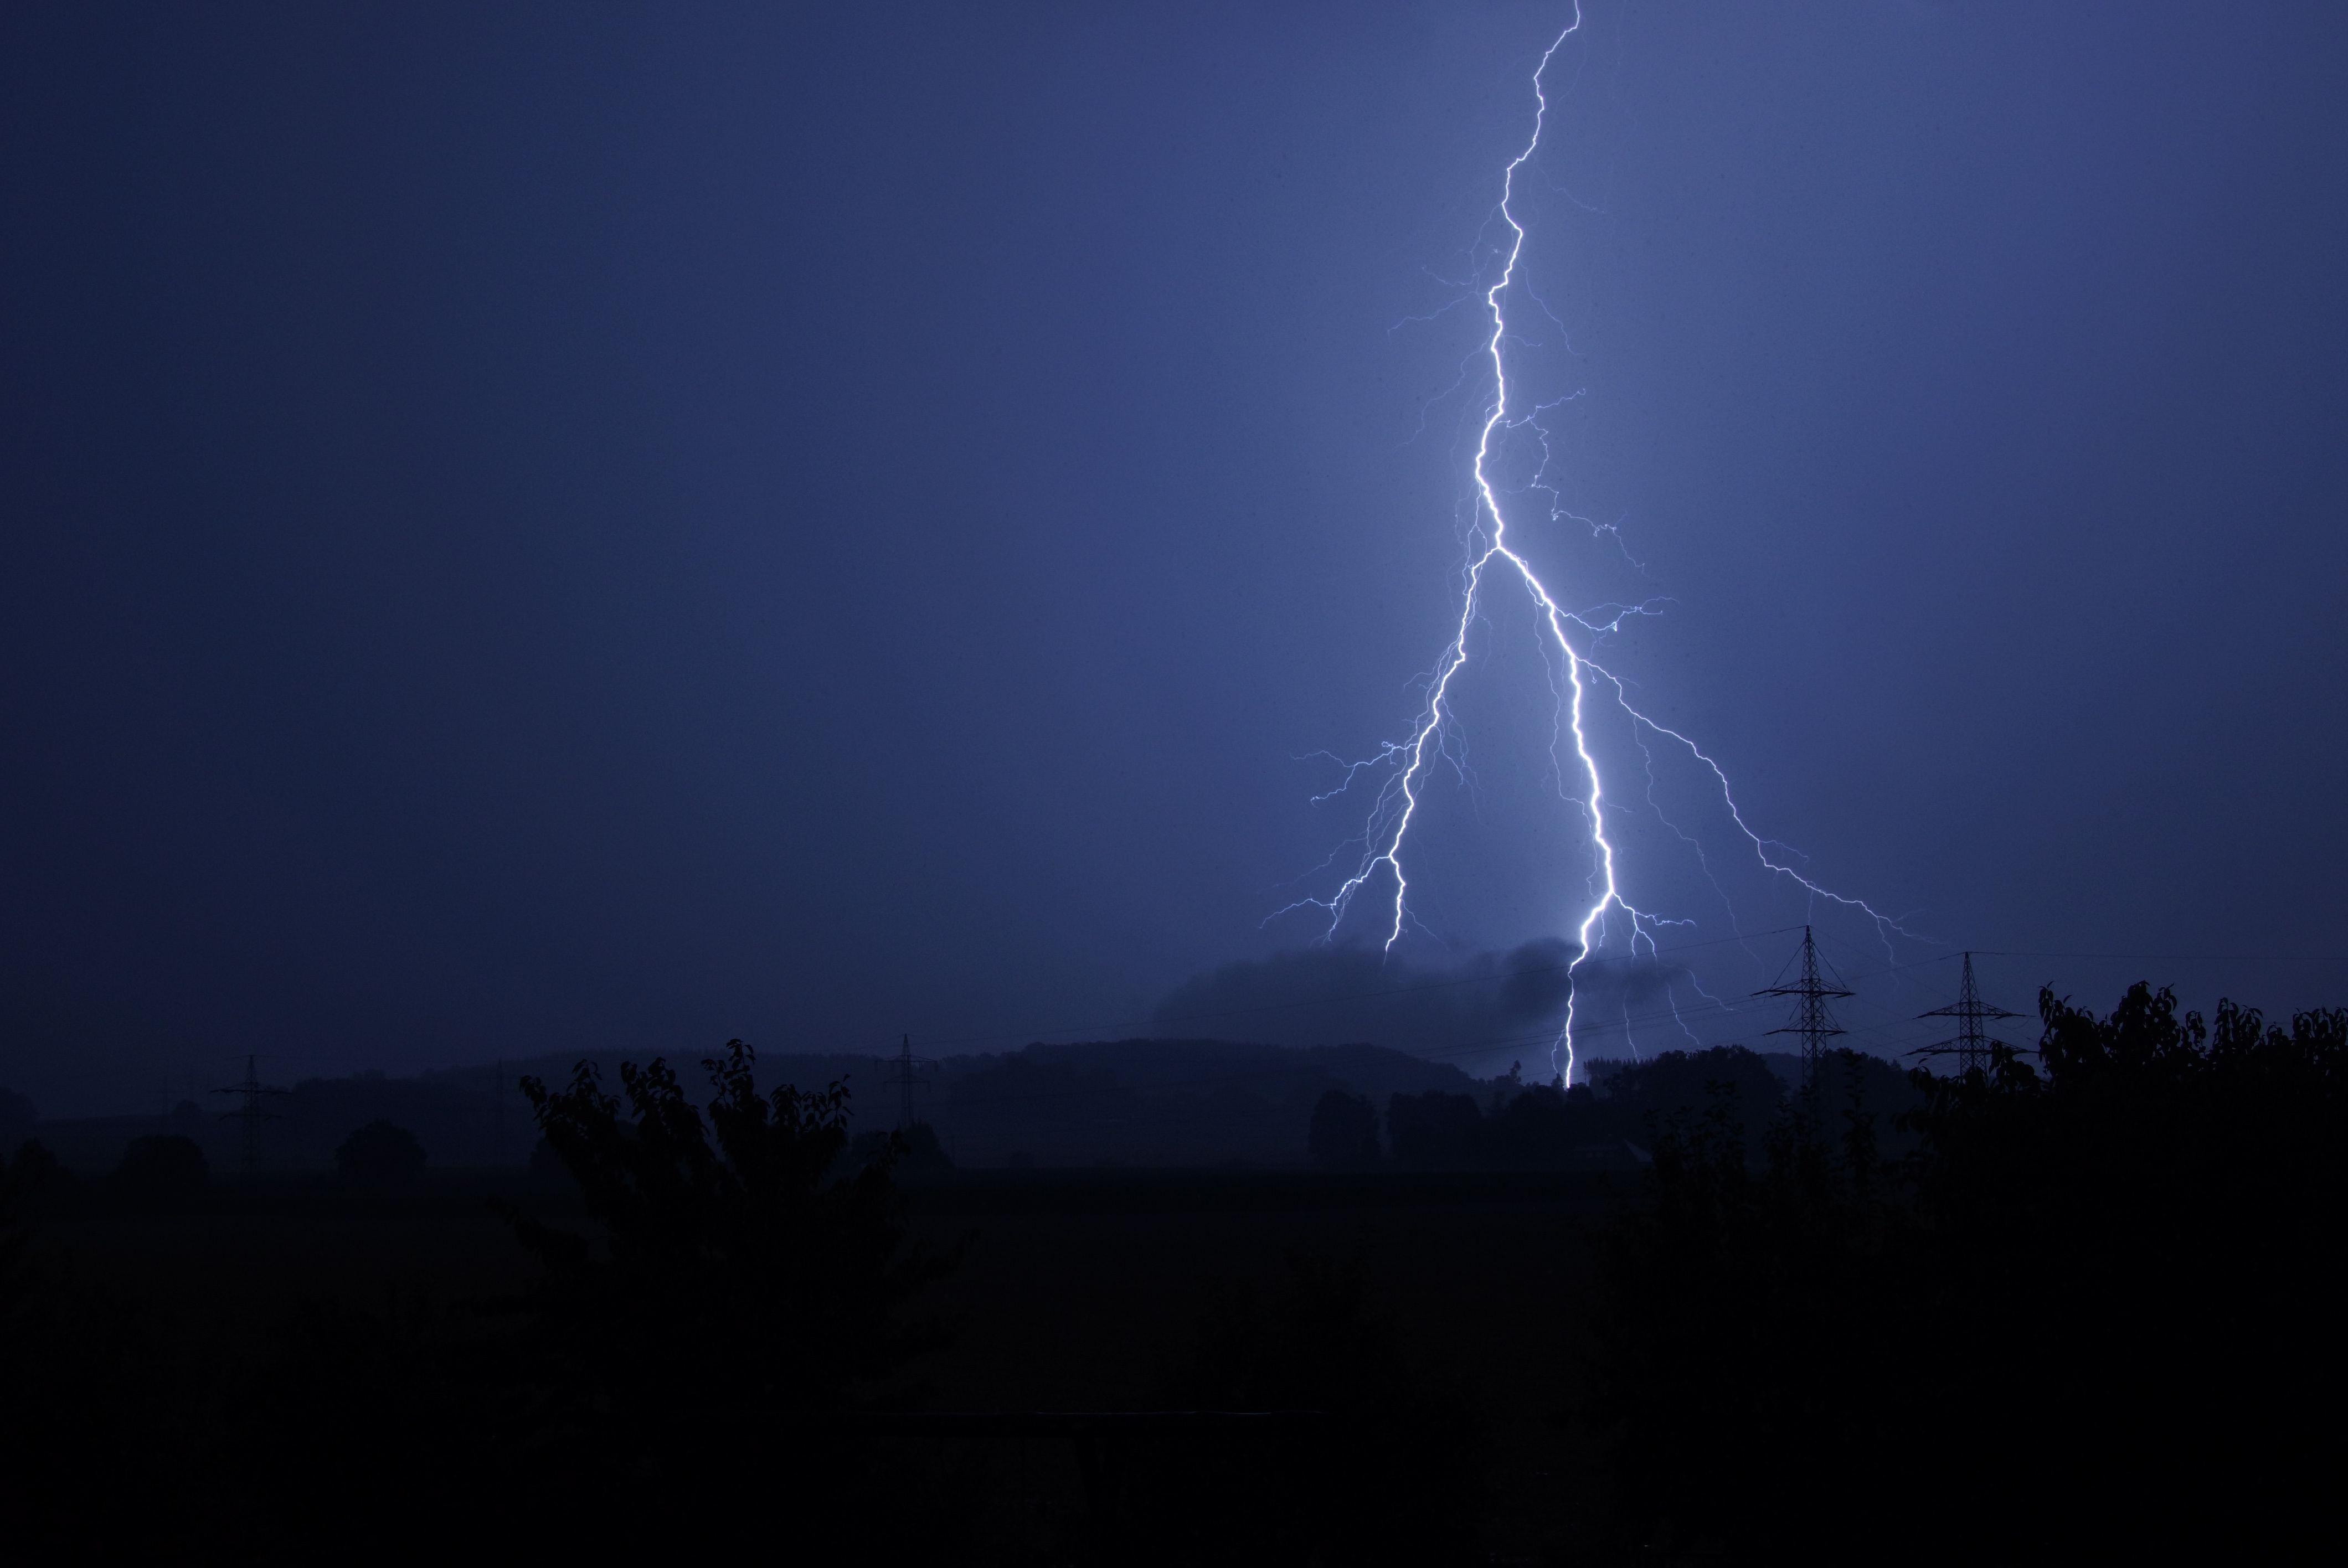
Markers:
point(1482, 1011)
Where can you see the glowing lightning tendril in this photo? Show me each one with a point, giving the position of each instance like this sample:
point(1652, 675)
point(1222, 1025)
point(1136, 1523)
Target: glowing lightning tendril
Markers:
point(1398, 800)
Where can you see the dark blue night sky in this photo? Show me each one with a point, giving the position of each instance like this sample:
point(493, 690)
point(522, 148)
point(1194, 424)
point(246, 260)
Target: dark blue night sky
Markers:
point(546, 526)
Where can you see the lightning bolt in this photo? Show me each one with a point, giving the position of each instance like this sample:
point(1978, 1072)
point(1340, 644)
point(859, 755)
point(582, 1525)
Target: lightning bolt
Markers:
point(1493, 557)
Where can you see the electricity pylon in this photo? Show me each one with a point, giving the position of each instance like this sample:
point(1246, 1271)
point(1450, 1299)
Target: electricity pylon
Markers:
point(250, 1113)
point(1970, 1044)
point(1812, 1019)
point(904, 1071)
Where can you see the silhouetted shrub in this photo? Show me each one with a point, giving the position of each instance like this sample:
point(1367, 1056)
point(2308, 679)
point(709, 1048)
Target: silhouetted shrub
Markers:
point(1436, 1129)
point(1344, 1132)
point(1547, 1129)
point(1677, 1086)
point(16, 1117)
point(705, 1245)
point(380, 1155)
point(16, 1184)
point(35, 1173)
point(162, 1164)
point(914, 1149)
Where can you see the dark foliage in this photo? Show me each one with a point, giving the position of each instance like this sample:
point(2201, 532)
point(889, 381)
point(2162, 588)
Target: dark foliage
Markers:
point(90, 1395)
point(2096, 1305)
point(1545, 1129)
point(1678, 1084)
point(1302, 1432)
point(162, 1166)
point(380, 1155)
point(2091, 1314)
point(1344, 1132)
point(735, 1296)
point(36, 1180)
point(1161, 1102)
point(1435, 1129)
point(729, 1234)
point(916, 1149)
point(1601, 1128)
point(698, 1349)
point(17, 1114)
point(18, 1182)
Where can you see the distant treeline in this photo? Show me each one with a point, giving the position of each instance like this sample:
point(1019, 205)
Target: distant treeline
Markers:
point(1514, 1126)
point(1134, 1102)
point(1129, 1102)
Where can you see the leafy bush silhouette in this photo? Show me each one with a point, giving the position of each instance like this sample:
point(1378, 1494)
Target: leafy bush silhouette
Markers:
point(162, 1164)
point(380, 1155)
point(1343, 1136)
point(19, 1182)
point(914, 1149)
point(1680, 1084)
point(707, 1245)
point(1436, 1129)
point(17, 1114)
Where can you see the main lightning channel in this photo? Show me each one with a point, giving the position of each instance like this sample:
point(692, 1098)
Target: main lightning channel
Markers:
point(1398, 800)
point(1455, 656)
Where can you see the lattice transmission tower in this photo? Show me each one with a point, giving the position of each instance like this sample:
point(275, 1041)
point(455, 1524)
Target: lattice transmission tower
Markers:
point(250, 1113)
point(906, 1072)
point(1812, 1019)
point(1970, 1044)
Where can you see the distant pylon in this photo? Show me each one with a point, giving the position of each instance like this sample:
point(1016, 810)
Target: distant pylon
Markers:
point(250, 1113)
point(1970, 1043)
point(904, 1071)
point(1811, 1017)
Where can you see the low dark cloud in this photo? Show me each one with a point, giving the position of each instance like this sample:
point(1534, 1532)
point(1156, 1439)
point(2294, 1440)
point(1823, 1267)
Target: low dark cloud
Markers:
point(1480, 1010)
point(1484, 1008)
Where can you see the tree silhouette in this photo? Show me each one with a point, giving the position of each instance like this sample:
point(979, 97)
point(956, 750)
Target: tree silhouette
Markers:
point(745, 1249)
point(162, 1164)
point(1344, 1132)
point(18, 1180)
point(1436, 1129)
point(380, 1155)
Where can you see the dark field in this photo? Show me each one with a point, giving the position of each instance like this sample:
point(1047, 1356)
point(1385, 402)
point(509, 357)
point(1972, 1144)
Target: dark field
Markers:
point(1070, 1283)
point(1079, 1298)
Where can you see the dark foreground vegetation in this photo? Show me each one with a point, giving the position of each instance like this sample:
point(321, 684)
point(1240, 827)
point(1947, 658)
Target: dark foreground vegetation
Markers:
point(2078, 1307)
point(2099, 1309)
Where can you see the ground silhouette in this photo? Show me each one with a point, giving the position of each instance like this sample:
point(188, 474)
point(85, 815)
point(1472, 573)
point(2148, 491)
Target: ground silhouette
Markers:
point(2081, 1303)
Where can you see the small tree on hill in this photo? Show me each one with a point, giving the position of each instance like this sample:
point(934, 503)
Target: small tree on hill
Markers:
point(162, 1164)
point(380, 1155)
point(1344, 1132)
